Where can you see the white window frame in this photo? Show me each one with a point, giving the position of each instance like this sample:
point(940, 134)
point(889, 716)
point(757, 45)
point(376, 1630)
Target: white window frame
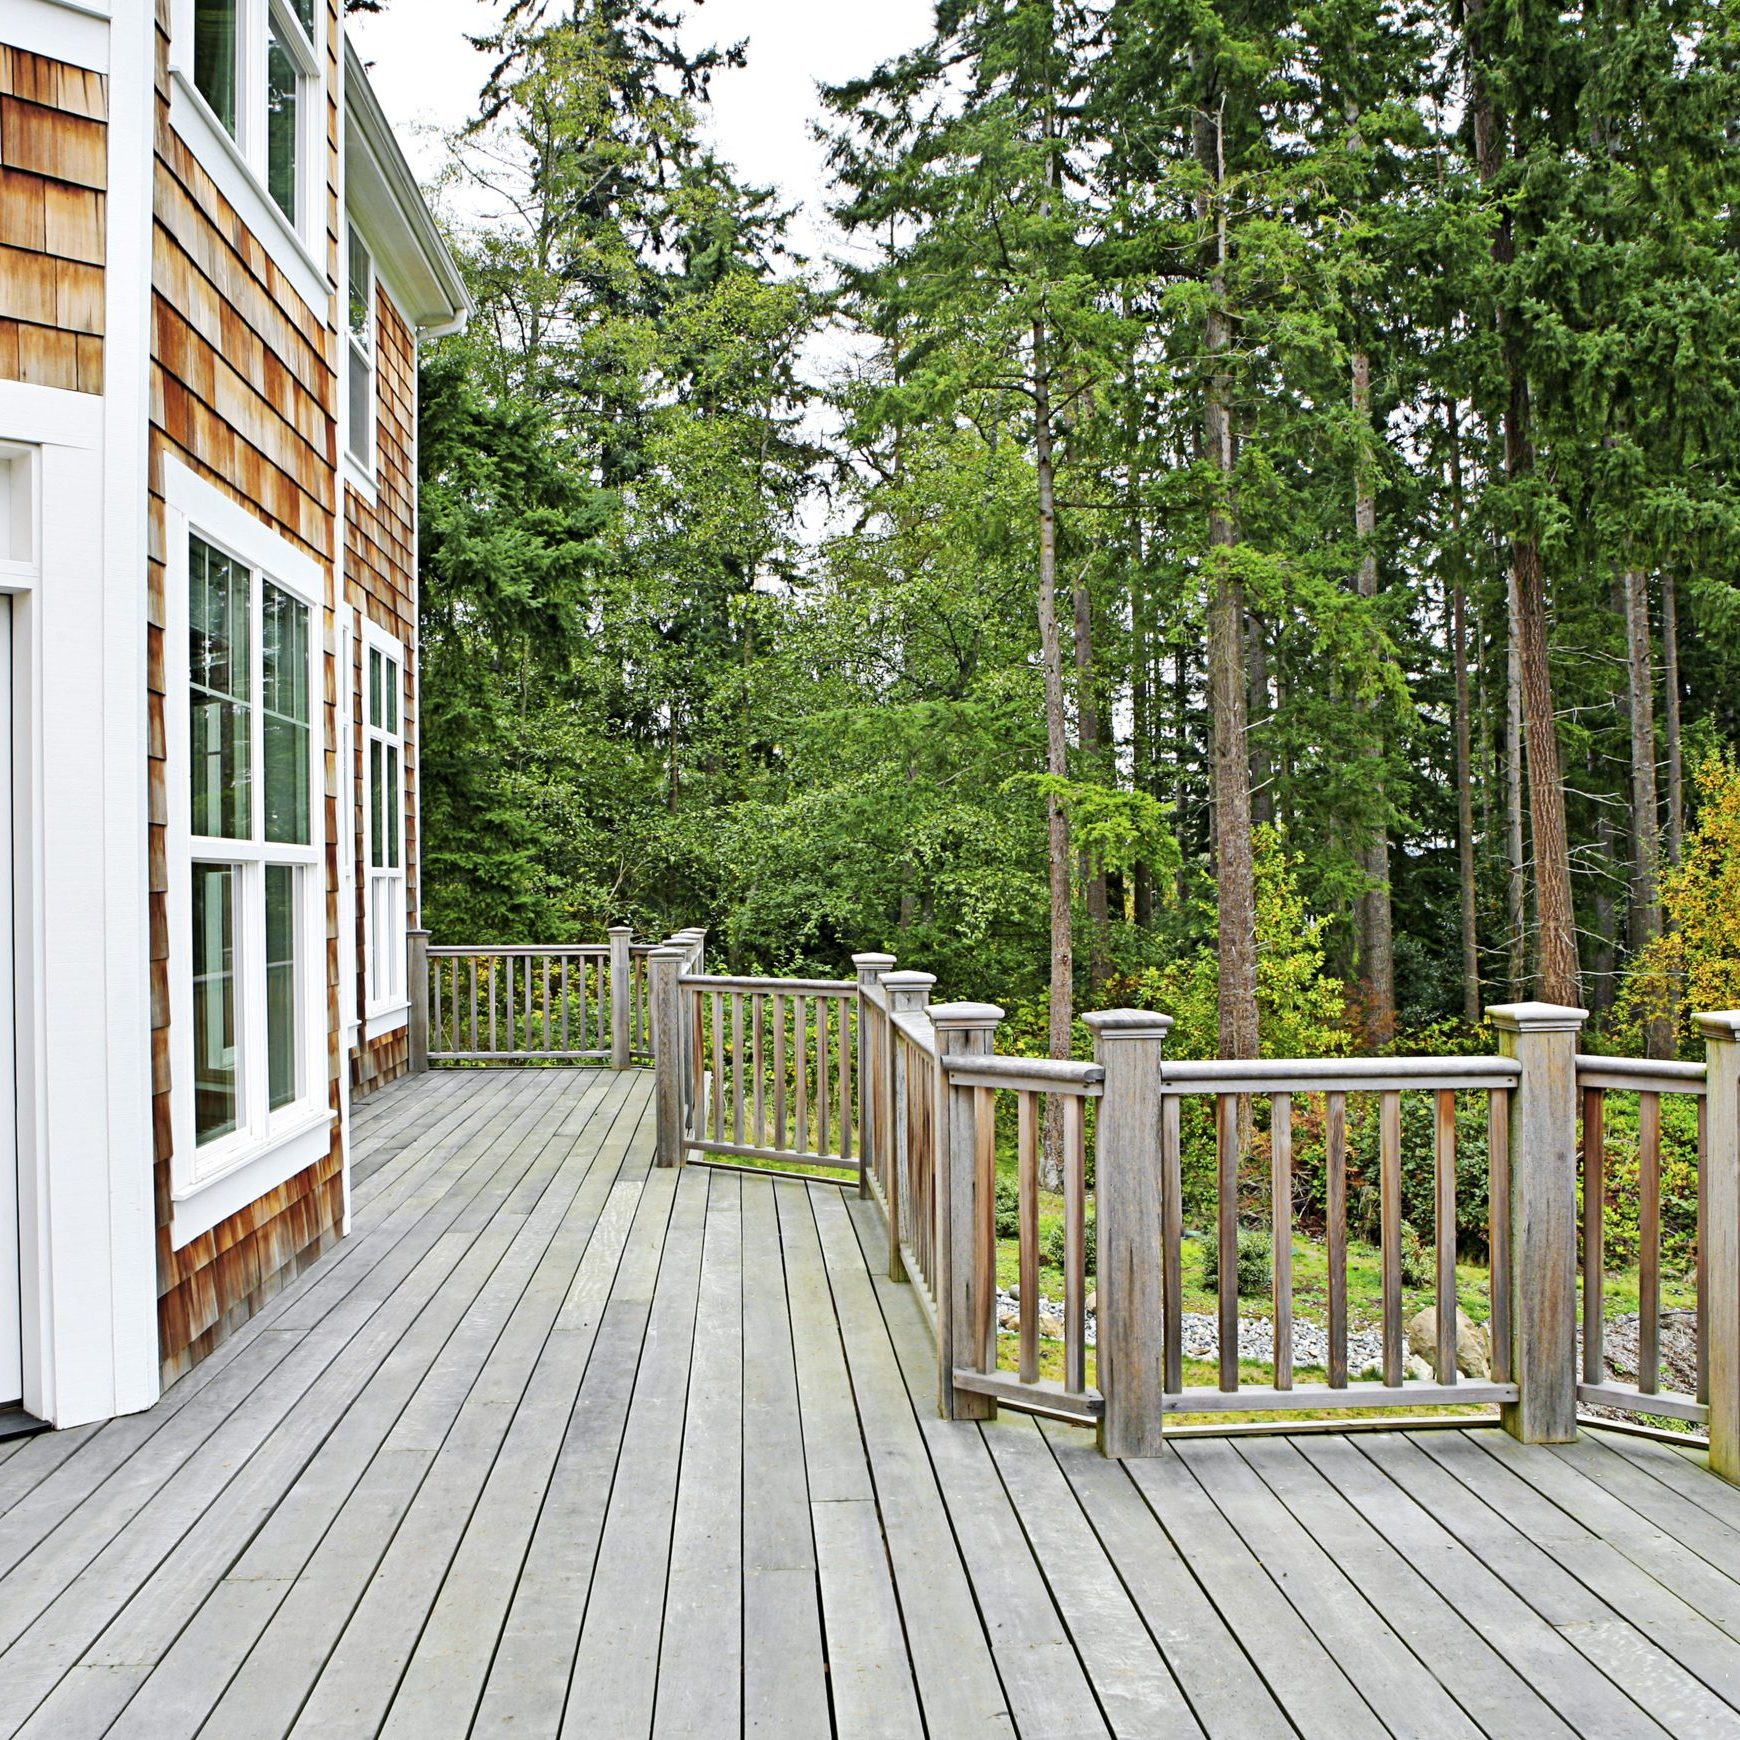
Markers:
point(361, 468)
point(386, 997)
point(237, 162)
point(268, 1147)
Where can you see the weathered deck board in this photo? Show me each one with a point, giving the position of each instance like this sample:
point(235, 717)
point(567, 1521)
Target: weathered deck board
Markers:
point(559, 1442)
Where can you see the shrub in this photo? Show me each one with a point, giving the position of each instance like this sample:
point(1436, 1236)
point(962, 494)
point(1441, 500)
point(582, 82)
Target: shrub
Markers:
point(1256, 1269)
point(1419, 1268)
point(1052, 1243)
point(1008, 1209)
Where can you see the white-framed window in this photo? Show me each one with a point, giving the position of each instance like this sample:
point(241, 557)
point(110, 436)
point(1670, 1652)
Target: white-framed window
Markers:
point(247, 864)
point(257, 65)
point(360, 353)
point(384, 872)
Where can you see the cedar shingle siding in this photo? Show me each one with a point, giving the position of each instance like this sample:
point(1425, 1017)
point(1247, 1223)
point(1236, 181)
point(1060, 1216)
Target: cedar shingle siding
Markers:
point(54, 170)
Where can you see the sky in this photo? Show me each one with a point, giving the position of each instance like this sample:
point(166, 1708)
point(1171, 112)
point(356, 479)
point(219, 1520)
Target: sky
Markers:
point(427, 78)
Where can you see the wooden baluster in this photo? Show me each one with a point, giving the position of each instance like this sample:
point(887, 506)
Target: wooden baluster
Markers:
point(1702, 1279)
point(779, 1138)
point(1498, 1230)
point(436, 1024)
point(564, 971)
point(737, 1068)
point(1075, 1247)
point(698, 1067)
point(801, 1068)
point(1594, 1232)
point(471, 964)
point(1226, 1132)
point(492, 1044)
point(822, 1076)
point(1720, 1304)
point(718, 1068)
point(843, 1077)
point(1281, 1219)
point(758, 1010)
point(1027, 1143)
point(585, 1031)
point(1649, 1243)
point(1335, 1160)
point(669, 1059)
point(546, 1002)
point(1172, 1241)
point(983, 1351)
point(1390, 1213)
point(1444, 1176)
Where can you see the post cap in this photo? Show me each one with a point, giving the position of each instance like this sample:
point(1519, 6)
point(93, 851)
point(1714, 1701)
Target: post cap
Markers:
point(668, 952)
point(622, 930)
point(909, 980)
point(1719, 1025)
point(1536, 1017)
point(873, 963)
point(1127, 1024)
point(965, 1015)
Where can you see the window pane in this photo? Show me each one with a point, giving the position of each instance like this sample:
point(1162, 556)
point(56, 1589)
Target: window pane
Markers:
point(392, 674)
point(377, 798)
point(305, 15)
point(360, 303)
point(214, 1001)
point(374, 688)
point(214, 57)
point(283, 95)
point(285, 713)
point(394, 808)
point(219, 607)
point(281, 882)
point(362, 404)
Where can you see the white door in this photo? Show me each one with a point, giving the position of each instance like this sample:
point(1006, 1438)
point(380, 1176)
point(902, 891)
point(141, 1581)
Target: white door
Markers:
point(11, 1321)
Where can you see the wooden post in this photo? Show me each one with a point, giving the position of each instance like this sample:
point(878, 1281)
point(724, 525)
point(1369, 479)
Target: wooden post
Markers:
point(1542, 1037)
point(621, 993)
point(669, 1053)
point(908, 994)
point(417, 979)
point(1719, 1302)
point(966, 1245)
point(1128, 1045)
point(872, 1093)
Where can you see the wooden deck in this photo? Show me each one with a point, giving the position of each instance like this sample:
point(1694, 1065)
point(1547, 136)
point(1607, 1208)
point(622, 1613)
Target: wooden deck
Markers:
point(557, 1443)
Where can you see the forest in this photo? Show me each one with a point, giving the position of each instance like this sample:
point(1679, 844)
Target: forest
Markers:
point(1249, 528)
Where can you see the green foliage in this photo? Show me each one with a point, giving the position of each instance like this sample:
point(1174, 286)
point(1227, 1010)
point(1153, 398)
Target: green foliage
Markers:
point(1255, 1269)
point(1008, 1209)
point(1053, 1244)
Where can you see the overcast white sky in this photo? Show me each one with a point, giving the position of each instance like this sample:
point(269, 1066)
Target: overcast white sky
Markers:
point(427, 78)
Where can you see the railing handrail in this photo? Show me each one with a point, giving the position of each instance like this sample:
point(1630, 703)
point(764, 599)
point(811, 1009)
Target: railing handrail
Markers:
point(468, 951)
point(1042, 1075)
point(915, 1028)
point(1280, 1075)
point(740, 982)
point(1641, 1074)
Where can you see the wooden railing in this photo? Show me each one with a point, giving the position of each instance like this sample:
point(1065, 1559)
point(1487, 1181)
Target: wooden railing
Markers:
point(570, 1003)
point(1649, 1081)
point(867, 1075)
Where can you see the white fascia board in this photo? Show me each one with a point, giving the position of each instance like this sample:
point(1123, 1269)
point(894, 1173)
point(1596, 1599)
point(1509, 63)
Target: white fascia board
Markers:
point(382, 194)
point(73, 31)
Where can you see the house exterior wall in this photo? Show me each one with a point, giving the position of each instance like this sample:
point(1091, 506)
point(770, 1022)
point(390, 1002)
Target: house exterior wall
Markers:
point(54, 173)
point(380, 568)
point(244, 393)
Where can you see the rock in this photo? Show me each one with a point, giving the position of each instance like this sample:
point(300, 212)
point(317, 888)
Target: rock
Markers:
point(1419, 1370)
point(1050, 1327)
point(1093, 1299)
point(1010, 1320)
point(1473, 1342)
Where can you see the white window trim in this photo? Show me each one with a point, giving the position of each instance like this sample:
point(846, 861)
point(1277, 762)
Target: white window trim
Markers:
point(257, 1159)
point(238, 167)
point(386, 1014)
point(361, 474)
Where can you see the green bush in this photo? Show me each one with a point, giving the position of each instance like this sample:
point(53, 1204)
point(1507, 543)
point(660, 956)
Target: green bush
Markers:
point(1256, 1269)
point(1008, 1209)
point(1051, 1245)
point(1419, 1267)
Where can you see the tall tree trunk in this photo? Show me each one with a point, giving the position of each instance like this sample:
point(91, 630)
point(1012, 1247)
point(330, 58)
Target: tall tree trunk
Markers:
point(1464, 741)
point(1676, 773)
point(1087, 710)
point(1516, 882)
point(1645, 925)
point(1230, 763)
point(1141, 703)
point(1056, 737)
point(1262, 769)
point(1377, 954)
point(1604, 952)
point(1555, 920)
